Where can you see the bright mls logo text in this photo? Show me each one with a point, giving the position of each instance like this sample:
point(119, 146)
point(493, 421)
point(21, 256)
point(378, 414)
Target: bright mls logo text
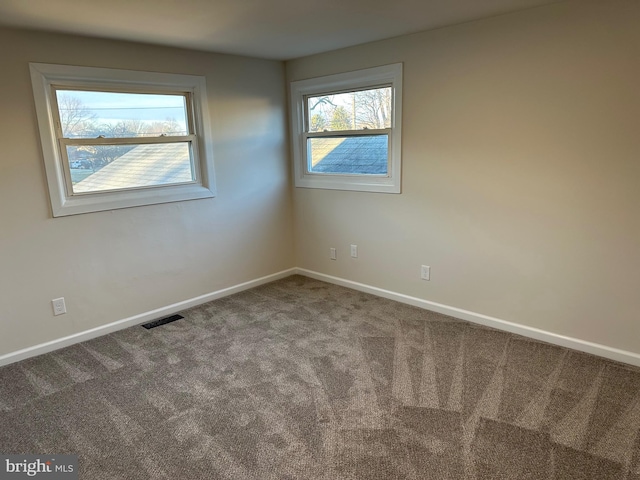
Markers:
point(31, 468)
point(52, 467)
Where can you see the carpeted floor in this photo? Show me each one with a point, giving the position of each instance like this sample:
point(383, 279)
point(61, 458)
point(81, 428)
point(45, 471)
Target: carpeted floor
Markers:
point(300, 379)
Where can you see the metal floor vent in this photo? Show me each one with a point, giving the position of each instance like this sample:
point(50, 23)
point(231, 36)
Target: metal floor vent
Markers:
point(162, 321)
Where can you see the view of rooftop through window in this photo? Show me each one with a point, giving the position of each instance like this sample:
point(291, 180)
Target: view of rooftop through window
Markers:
point(86, 114)
point(358, 154)
point(362, 109)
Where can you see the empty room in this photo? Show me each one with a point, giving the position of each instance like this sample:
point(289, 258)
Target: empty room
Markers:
point(320, 240)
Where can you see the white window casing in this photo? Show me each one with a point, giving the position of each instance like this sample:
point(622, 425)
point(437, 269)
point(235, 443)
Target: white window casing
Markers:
point(47, 78)
point(384, 76)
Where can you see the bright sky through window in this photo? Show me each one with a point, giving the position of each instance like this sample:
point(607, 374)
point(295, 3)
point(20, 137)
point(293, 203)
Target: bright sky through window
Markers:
point(370, 109)
point(86, 114)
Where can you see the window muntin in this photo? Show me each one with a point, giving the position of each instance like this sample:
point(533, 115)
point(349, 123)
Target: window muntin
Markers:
point(135, 138)
point(346, 130)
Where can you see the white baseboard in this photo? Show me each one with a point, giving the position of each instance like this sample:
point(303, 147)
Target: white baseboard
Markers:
point(530, 332)
point(138, 319)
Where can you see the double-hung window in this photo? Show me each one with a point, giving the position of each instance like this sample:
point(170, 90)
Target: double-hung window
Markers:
point(118, 138)
point(346, 130)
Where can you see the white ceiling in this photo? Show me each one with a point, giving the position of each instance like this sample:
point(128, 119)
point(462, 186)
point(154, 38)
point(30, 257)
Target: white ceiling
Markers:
point(276, 29)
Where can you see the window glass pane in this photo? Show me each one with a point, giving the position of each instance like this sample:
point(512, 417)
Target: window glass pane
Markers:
point(350, 111)
point(97, 168)
point(354, 154)
point(89, 114)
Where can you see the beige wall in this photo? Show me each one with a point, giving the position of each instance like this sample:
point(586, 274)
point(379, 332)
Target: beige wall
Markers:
point(521, 183)
point(112, 265)
point(521, 172)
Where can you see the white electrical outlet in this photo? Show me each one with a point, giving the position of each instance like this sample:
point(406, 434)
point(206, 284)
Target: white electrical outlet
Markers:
point(425, 272)
point(354, 251)
point(58, 306)
point(332, 253)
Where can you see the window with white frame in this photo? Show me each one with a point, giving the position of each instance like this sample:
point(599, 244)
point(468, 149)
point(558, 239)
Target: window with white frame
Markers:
point(119, 138)
point(346, 130)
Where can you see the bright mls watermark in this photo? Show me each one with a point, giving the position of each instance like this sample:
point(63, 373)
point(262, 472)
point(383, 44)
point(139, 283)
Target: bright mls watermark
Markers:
point(51, 467)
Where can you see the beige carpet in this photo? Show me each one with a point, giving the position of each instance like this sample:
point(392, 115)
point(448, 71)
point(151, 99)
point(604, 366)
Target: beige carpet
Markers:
point(300, 379)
